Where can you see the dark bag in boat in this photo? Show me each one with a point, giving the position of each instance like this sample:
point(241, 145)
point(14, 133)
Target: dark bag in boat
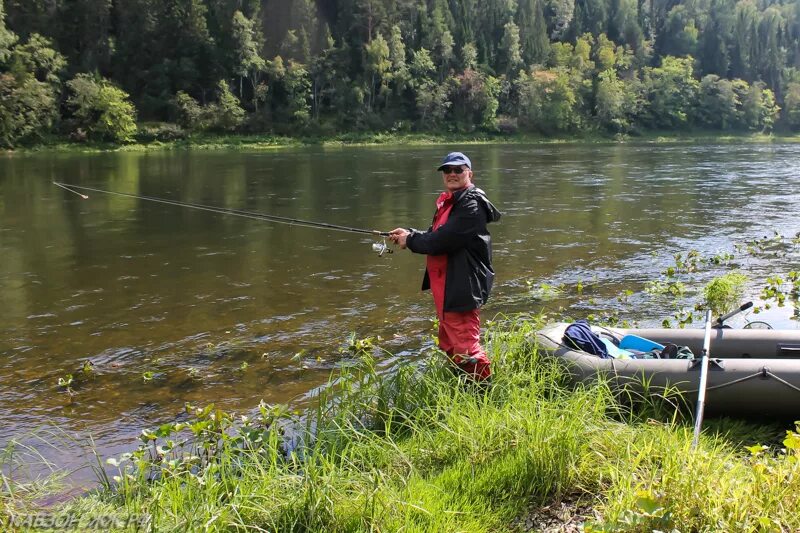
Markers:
point(670, 351)
point(580, 336)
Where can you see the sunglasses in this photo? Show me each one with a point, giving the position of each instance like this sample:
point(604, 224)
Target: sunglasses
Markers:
point(453, 170)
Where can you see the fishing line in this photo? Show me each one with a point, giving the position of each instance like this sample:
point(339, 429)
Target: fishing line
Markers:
point(377, 247)
point(70, 190)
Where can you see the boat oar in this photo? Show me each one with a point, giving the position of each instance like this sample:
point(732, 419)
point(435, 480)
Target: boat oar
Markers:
point(723, 318)
point(701, 389)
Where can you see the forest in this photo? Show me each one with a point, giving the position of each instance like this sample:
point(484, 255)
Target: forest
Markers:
point(143, 70)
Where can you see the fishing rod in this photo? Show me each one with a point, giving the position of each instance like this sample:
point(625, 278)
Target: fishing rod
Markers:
point(381, 248)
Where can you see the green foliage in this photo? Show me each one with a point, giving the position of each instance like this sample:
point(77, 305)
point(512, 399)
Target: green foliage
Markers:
point(547, 101)
point(29, 87)
point(38, 58)
point(466, 459)
point(473, 98)
point(164, 132)
point(617, 101)
point(791, 105)
point(622, 65)
point(101, 109)
point(671, 91)
point(190, 114)
point(724, 293)
point(28, 109)
point(226, 114)
point(7, 37)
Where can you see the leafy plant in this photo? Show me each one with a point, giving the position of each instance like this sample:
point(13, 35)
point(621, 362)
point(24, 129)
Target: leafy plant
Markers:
point(725, 292)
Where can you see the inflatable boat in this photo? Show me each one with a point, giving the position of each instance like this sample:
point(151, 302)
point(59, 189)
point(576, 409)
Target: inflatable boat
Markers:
point(753, 372)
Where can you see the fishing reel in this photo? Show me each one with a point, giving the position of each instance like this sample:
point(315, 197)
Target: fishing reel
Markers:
point(381, 248)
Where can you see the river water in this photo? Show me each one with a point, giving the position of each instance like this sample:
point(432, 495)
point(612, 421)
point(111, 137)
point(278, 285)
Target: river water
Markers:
point(173, 305)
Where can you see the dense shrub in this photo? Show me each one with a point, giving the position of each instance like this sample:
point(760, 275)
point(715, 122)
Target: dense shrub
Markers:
point(101, 109)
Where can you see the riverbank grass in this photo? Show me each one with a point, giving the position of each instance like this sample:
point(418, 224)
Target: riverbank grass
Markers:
point(418, 450)
point(260, 142)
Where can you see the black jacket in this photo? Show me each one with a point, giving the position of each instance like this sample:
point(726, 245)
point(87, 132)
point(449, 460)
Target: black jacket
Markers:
point(468, 245)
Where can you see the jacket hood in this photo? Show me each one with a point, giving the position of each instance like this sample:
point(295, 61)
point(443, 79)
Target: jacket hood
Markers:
point(492, 213)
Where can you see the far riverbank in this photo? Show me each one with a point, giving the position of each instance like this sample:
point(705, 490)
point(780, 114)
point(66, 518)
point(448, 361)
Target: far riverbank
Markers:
point(207, 141)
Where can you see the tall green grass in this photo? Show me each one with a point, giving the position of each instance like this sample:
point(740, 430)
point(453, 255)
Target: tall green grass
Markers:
point(419, 450)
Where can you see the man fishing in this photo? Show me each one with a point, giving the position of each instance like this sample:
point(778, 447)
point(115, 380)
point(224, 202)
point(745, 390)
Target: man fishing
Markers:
point(459, 264)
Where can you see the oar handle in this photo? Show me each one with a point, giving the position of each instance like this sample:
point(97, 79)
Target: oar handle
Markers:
point(743, 307)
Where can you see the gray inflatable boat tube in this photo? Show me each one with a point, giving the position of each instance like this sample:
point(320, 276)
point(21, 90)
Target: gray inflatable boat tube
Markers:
point(752, 372)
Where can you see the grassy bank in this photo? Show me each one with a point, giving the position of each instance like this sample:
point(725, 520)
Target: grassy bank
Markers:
point(271, 142)
point(418, 451)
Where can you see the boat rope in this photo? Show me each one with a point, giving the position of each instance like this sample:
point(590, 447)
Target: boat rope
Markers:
point(222, 210)
point(764, 373)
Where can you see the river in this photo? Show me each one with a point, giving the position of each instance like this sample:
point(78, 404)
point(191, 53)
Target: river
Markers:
point(173, 305)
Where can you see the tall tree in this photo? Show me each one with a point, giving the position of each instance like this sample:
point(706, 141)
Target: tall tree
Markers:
point(772, 53)
point(533, 31)
point(378, 65)
point(85, 34)
point(745, 42)
point(7, 37)
point(714, 54)
point(510, 49)
point(492, 17)
point(249, 63)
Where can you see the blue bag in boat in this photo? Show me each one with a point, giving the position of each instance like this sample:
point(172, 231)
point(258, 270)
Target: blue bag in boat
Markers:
point(580, 336)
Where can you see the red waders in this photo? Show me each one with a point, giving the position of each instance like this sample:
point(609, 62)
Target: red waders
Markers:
point(459, 332)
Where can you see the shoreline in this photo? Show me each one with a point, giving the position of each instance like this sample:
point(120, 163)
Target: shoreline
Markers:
point(209, 142)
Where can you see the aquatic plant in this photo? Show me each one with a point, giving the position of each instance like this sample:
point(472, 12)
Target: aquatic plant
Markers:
point(358, 346)
point(544, 291)
point(66, 382)
point(725, 292)
point(670, 287)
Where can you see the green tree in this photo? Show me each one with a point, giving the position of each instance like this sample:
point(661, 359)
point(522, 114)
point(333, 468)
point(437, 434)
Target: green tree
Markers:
point(759, 108)
point(510, 50)
point(377, 67)
point(671, 91)
point(162, 47)
point(101, 109)
point(771, 50)
point(444, 52)
point(715, 56)
point(298, 89)
point(431, 99)
point(680, 34)
point(617, 101)
point(29, 87)
point(400, 74)
point(190, 114)
point(473, 98)
point(791, 105)
point(7, 37)
point(249, 63)
point(84, 33)
point(745, 34)
point(227, 114)
point(547, 101)
point(718, 103)
point(533, 31)
point(469, 56)
point(28, 109)
point(38, 58)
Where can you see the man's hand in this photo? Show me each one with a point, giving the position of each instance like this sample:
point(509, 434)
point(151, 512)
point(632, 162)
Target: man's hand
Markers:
point(398, 236)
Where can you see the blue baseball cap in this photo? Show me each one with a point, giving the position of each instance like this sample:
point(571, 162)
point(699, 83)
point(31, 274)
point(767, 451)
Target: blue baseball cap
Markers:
point(454, 159)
